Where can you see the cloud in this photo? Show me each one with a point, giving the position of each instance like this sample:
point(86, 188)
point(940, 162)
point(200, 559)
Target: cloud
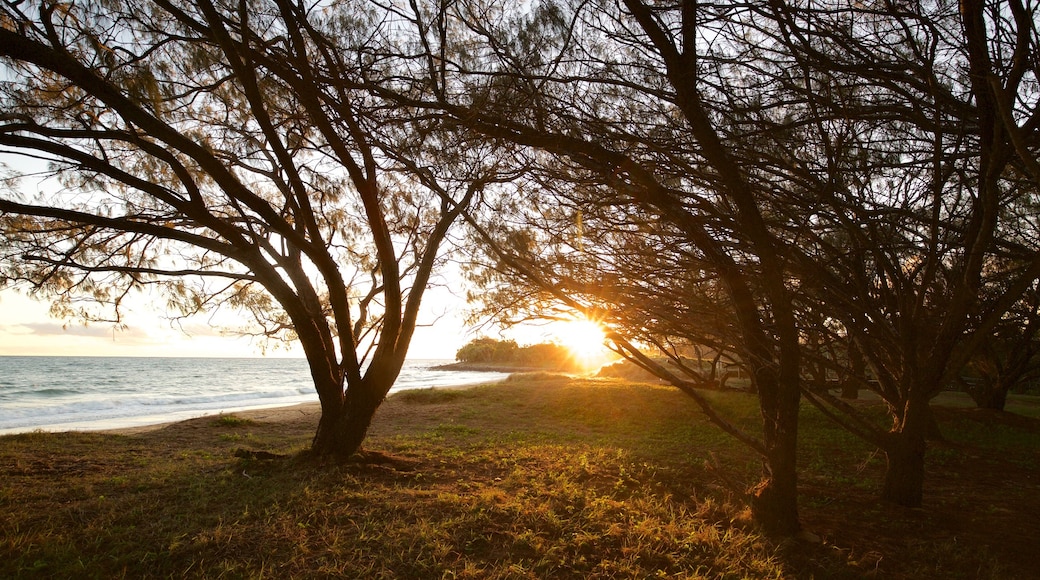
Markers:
point(55, 329)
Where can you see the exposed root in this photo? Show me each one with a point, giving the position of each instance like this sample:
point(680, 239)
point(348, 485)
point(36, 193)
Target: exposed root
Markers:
point(364, 457)
point(259, 455)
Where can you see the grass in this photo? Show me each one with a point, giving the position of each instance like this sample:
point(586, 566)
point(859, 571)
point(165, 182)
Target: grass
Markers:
point(223, 420)
point(538, 477)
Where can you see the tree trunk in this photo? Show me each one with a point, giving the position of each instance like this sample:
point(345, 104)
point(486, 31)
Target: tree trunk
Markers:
point(904, 478)
point(905, 450)
point(989, 396)
point(346, 413)
point(858, 367)
point(849, 390)
point(932, 431)
point(774, 505)
point(996, 399)
point(346, 418)
point(342, 431)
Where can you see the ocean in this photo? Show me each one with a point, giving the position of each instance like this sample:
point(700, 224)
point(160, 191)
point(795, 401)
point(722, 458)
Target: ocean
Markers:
point(90, 393)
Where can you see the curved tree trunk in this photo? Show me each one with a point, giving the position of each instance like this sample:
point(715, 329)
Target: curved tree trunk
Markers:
point(346, 414)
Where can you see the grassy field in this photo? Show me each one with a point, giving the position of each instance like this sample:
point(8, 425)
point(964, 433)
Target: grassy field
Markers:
point(541, 476)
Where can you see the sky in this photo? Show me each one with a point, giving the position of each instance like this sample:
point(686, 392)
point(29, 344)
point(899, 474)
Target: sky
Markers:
point(28, 329)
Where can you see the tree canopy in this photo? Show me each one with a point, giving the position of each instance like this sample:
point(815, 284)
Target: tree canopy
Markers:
point(814, 188)
point(545, 355)
point(861, 173)
point(225, 153)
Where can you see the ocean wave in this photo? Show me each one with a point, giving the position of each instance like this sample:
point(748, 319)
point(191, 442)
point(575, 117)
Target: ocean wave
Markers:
point(71, 393)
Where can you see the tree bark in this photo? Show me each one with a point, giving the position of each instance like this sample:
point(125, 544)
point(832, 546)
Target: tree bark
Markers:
point(774, 505)
point(775, 502)
point(904, 478)
point(905, 450)
point(989, 396)
point(341, 432)
point(344, 424)
point(348, 400)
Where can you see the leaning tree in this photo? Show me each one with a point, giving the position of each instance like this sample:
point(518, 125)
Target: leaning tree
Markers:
point(858, 165)
point(223, 153)
point(619, 104)
point(918, 155)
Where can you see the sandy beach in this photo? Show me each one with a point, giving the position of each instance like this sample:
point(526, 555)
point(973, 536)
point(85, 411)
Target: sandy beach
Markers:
point(270, 415)
point(289, 414)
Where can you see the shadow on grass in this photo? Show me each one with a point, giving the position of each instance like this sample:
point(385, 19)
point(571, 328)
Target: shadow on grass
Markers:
point(563, 479)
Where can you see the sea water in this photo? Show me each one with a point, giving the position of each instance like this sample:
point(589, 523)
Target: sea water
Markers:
point(84, 393)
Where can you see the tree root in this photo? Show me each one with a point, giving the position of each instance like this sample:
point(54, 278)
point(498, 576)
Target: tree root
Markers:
point(259, 455)
point(365, 457)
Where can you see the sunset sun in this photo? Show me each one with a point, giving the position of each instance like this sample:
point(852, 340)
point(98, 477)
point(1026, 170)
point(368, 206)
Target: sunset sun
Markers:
point(583, 338)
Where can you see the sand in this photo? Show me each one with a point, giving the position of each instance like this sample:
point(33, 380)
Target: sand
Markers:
point(265, 415)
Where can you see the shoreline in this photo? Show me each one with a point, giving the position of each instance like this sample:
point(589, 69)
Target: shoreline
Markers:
point(275, 414)
point(263, 415)
point(61, 394)
point(498, 368)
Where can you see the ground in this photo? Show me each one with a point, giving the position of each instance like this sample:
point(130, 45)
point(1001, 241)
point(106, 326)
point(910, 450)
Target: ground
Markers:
point(541, 476)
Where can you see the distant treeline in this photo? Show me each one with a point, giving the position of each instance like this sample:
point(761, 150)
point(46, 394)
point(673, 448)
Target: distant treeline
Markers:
point(508, 352)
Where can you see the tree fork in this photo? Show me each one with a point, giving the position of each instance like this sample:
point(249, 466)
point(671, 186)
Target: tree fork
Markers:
point(342, 431)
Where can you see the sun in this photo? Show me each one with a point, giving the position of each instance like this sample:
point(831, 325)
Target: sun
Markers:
point(583, 338)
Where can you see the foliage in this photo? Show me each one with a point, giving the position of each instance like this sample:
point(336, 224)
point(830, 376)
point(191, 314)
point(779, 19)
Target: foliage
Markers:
point(771, 179)
point(508, 352)
point(486, 350)
point(228, 156)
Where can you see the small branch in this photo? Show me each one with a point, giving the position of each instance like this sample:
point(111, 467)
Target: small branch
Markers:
point(851, 421)
point(688, 388)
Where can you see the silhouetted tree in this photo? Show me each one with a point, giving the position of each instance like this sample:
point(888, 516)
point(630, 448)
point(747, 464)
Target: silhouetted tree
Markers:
point(853, 162)
point(1009, 358)
point(223, 153)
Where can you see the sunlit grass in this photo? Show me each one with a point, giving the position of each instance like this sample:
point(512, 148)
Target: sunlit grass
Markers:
point(539, 477)
point(223, 420)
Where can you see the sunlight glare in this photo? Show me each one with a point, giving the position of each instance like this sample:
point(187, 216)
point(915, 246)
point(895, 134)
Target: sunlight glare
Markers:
point(583, 338)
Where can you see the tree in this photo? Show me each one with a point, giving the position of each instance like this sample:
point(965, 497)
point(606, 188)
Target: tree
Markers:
point(1010, 358)
point(623, 111)
point(223, 153)
point(624, 266)
point(487, 350)
point(905, 246)
point(848, 162)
